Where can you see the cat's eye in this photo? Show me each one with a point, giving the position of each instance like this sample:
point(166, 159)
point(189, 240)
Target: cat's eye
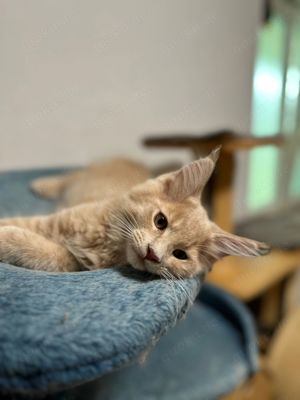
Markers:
point(160, 221)
point(180, 254)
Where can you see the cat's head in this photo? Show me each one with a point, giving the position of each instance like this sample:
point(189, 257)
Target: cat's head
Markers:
point(168, 231)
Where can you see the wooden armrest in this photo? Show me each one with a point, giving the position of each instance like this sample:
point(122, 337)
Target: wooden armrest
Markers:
point(247, 278)
point(229, 140)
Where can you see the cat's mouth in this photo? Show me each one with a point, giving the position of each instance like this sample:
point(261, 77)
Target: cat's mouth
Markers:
point(142, 259)
point(146, 264)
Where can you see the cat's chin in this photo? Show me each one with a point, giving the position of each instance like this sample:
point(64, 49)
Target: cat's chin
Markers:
point(142, 266)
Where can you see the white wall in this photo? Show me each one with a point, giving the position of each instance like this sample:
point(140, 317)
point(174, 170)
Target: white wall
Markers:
point(88, 79)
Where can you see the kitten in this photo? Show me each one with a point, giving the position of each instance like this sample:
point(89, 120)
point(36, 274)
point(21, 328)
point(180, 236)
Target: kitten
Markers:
point(157, 225)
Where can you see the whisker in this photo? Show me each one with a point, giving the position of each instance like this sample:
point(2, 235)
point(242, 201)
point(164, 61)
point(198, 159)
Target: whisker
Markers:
point(122, 222)
point(132, 218)
point(179, 281)
point(123, 228)
point(185, 290)
point(124, 233)
point(171, 285)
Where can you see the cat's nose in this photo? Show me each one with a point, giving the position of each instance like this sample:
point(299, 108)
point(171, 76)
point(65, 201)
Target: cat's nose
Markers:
point(151, 256)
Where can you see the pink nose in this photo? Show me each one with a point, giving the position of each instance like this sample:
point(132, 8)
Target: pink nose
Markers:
point(151, 256)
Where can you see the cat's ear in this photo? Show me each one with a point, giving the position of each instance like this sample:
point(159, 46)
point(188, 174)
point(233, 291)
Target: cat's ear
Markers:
point(224, 244)
point(190, 179)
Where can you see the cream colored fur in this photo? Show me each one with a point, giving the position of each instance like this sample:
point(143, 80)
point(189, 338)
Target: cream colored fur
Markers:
point(115, 223)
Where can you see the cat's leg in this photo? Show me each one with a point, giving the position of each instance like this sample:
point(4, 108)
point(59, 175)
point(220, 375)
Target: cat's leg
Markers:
point(50, 187)
point(28, 249)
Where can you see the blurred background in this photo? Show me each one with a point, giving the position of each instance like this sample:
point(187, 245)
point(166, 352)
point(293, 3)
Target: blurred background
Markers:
point(83, 81)
point(88, 80)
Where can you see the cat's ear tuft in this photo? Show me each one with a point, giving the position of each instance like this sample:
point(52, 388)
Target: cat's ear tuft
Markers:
point(215, 154)
point(226, 244)
point(191, 179)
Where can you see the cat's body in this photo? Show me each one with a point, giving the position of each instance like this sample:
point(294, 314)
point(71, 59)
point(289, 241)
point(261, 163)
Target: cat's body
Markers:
point(99, 181)
point(156, 225)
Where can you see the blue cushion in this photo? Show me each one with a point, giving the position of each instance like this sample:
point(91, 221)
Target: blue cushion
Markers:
point(62, 329)
point(205, 356)
point(17, 198)
point(59, 330)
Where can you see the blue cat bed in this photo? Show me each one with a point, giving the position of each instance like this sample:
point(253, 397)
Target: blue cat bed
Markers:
point(61, 330)
point(207, 355)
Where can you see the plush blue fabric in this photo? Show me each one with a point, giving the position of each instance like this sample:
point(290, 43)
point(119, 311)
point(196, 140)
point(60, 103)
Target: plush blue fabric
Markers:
point(206, 355)
point(16, 197)
point(57, 330)
point(61, 329)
